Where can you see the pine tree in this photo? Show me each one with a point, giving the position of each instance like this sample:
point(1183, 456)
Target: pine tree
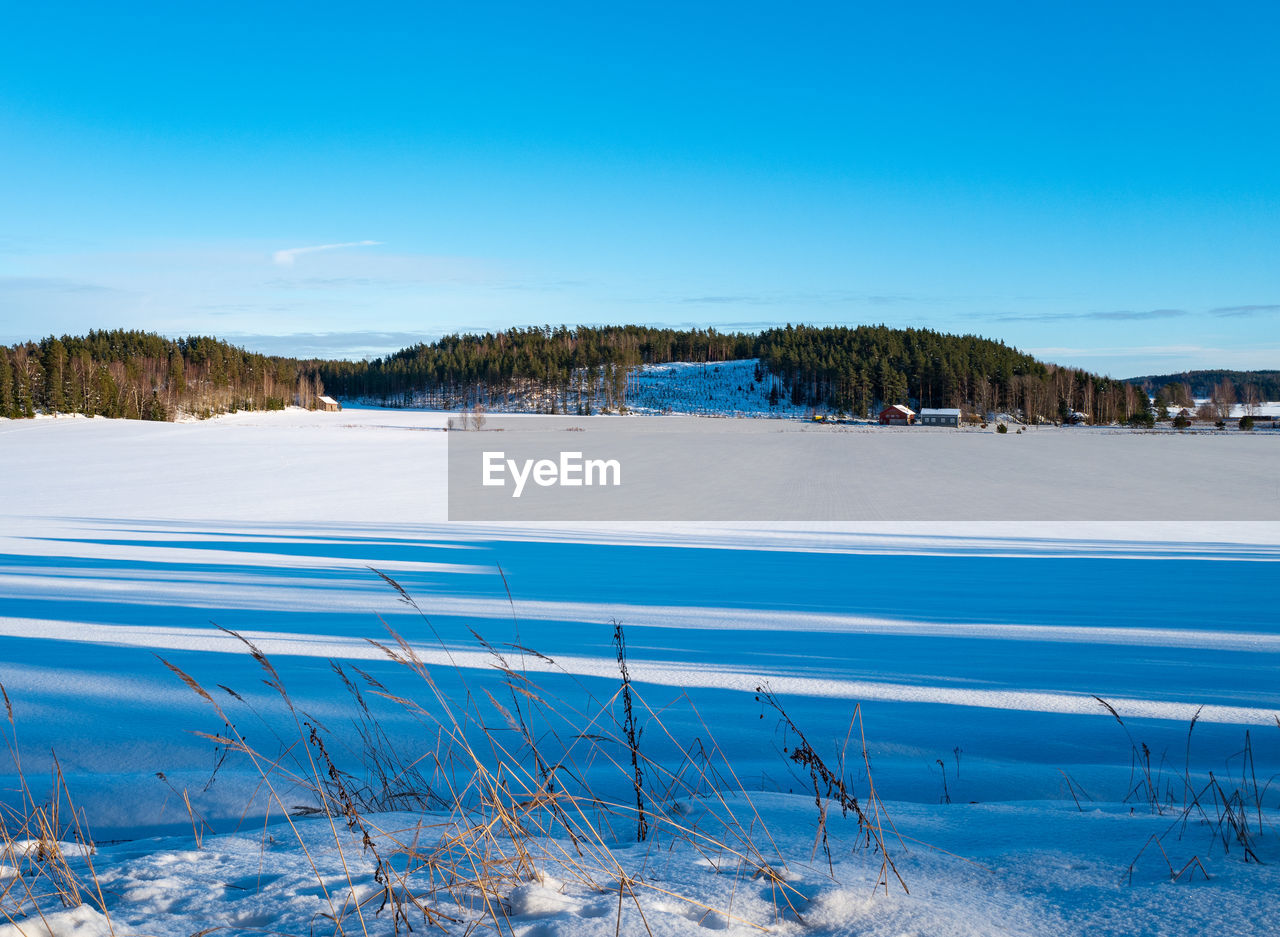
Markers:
point(24, 378)
point(7, 408)
point(54, 359)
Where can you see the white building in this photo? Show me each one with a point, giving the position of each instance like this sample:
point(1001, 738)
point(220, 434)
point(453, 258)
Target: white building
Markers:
point(938, 417)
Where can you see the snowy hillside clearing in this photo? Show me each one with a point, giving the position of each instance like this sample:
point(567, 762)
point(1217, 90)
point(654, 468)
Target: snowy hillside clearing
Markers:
point(722, 388)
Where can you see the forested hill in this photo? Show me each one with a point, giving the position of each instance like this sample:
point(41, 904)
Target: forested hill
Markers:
point(853, 370)
point(856, 369)
point(459, 370)
point(554, 370)
point(141, 376)
point(1265, 384)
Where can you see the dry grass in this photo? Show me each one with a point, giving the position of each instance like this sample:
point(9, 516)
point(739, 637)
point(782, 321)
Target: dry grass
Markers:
point(45, 847)
point(831, 786)
point(505, 785)
point(1229, 809)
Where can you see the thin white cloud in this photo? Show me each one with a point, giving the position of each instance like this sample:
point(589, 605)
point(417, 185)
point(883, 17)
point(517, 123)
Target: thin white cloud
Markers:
point(286, 257)
point(1123, 315)
point(1161, 359)
point(1257, 309)
point(350, 345)
point(1127, 350)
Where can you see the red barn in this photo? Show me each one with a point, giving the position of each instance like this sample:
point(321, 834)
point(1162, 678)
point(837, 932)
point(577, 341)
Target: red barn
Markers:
point(897, 415)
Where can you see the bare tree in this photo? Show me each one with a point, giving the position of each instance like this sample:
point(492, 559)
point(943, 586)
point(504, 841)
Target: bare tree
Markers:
point(461, 422)
point(1223, 398)
point(478, 417)
point(1178, 394)
point(1252, 399)
point(306, 394)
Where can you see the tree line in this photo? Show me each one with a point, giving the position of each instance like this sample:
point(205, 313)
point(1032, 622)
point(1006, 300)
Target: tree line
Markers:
point(1180, 389)
point(545, 369)
point(850, 370)
point(1215, 403)
point(856, 370)
point(549, 369)
point(143, 376)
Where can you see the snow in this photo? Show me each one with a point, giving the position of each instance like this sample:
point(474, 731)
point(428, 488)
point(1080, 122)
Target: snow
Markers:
point(1269, 409)
point(980, 645)
point(723, 388)
point(80, 921)
point(1030, 869)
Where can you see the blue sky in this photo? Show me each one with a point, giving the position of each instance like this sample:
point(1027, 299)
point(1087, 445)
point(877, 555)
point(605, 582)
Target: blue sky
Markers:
point(1095, 183)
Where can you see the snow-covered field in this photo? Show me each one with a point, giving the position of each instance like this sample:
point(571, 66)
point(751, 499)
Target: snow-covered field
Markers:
point(1269, 409)
point(975, 652)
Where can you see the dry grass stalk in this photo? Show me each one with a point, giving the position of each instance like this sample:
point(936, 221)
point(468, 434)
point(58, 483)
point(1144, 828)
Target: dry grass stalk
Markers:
point(45, 846)
point(831, 786)
point(496, 803)
point(1224, 810)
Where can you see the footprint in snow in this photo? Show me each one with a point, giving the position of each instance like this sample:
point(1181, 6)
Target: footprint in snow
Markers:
point(541, 929)
point(535, 900)
point(703, 917)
